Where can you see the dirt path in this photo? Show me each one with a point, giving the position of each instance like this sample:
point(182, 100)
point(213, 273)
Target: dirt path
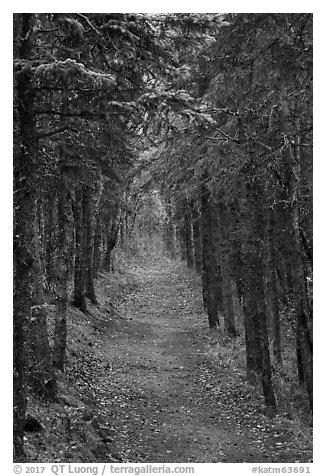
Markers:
point(164, 397)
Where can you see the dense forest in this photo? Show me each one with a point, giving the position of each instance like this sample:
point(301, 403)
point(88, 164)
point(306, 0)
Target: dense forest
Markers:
point(187, 136)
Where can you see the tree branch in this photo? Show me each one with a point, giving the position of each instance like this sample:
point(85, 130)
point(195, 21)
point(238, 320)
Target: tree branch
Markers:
point(51, 133)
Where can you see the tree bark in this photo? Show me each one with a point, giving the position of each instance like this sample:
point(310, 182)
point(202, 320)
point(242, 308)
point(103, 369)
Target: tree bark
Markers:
point(229, 314)
point(63, 267)
point(89, 214)
point(188, 233)
point(271, 289)
point(40, 373)
point(98, 245)
point(257, 342)
point(252, 333)
point(49, 235)
point(292, 159)
point(24, 208)
point(209, 271)
point(32, 358)
point(300, 368)
point(181, 240)
point(112, 227)
point(197, 237)
point(80, 268)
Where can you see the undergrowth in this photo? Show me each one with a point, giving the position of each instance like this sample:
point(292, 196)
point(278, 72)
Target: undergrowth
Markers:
point(73, 429)
point(292, 407)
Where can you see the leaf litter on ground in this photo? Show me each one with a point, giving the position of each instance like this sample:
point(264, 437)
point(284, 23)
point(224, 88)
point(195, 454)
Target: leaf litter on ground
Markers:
point(146, 381)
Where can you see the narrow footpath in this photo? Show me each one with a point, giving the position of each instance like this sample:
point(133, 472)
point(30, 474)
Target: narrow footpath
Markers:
point(165, 398)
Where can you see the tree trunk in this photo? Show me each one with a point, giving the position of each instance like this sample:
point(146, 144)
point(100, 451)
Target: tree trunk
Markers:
point(41, 221)
point(63, 266)
point(98, 245)
point(89, 214)
point(299, 360)
point(302, 314)
point(276, 323)
point(237, 268)
point(271, 289)
point(252, 333)
point(292, 160)
point(169, 238)
point(182, 239)
point(31, 356)
point(210, 271)
point(23, 285)
point(188, 233)
point(196, 224)
point(112, 235)
point(40, 373)
point(24, 208)
point(289, 277)
point(229, 314)
point(257, 342)
point(49, 235)
point(267, 382)
point(80, 268)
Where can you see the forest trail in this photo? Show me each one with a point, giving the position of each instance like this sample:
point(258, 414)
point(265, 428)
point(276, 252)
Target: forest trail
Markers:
point(196, 159)
point(165, 398)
